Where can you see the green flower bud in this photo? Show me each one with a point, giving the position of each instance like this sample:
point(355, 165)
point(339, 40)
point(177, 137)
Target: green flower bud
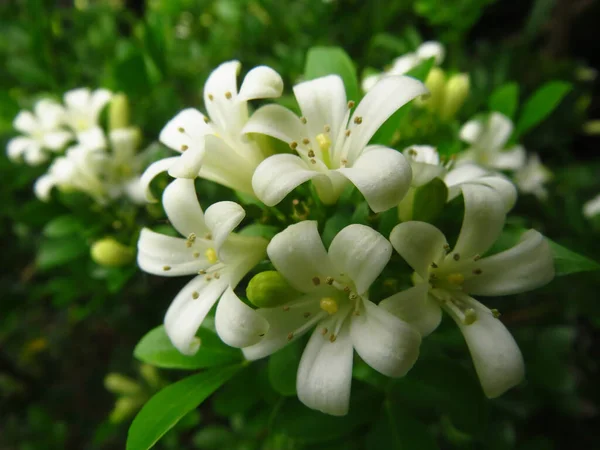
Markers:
point(457, 91)
point(118, 115)
point(120, 384)
point(109, 252)
point(125, 407)
point(269, 289)
point(592, 127)
point(150, 375)
point(436, 83)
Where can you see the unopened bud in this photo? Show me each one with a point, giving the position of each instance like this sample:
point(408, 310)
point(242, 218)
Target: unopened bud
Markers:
point(150, 375)
point(109, 252)
point(457, 91)
point(118, 115)
point(269, 289)
point(125, 407)
point(120, 384)
point(592, 127)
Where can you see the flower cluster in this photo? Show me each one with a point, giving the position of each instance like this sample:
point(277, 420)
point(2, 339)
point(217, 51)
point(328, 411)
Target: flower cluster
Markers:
point(328, 291)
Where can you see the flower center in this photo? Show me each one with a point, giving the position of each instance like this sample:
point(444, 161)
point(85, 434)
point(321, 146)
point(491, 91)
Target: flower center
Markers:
point(329, 305)
point(325, 145)
point(211, 255)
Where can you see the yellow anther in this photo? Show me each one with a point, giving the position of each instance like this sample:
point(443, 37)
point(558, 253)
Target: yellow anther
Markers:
point(470, 316)
point(358, 120)
point(306, 141)
point(324, 331)
point(196, 254)
point(293, 145)
point(327, 128)
point(456, 278)
point(211, 255)
point(166, 268)
point(332, 338)
point(329, 305)
point(205, 119)
point(210, 97)
point(351, 104)
point(227, 95)
point(316, 281)
point(348, 132)
point(181, 129)
point(190, 240)
point(303, 120)
point(195, 295)
point(290, 336)
point(495, 313)
point(184, 148)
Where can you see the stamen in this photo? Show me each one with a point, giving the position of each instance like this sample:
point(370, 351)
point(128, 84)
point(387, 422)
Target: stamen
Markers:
point(316, 281)
point(293, 145)
point(210, 97)
point(195, 295)
point(181, 129)
point(456, 257)
point(324, 331)
point(446, 247)
point(311, 154)
point(343, 162)
point(477, 271)
point(217, 275)
point(412, 152)
point(351, 104)
point(314, 161)
point(434, 265)
point(228, 95)
point(329, 280)
point(303, 120)
point(332, 338)
point(184, 148)
point(208, 236)
point(208, 277)
point(477, 257)
point(166, 268)
point(456, 278)
point(329, 305)
point(196, 254)
point(495, 313)
point(190, 240)
point(290, 336)
point(327, 128)
point(202, 272)
point(306, 141)
point(348, 132)
point(358, 120)
point(206, 119)
point(211, 255)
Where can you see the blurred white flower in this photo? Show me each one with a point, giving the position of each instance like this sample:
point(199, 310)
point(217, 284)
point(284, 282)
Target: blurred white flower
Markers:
point(82, 114)
point(532, 177)
point(591, 208)
point(125, 164)
point(331, 145)
point(425, 163)
point(333, 299)
point(446, 279)
point(41, 131)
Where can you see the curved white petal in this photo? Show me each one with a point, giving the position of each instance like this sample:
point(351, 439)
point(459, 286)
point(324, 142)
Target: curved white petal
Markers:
point(483, 221)
point(423, 173)
point(92, 138)
point(25, 122)
point(369, 81)
point(188, 310)
point(361, 253)
point(185, 130)
point(383, 341)
point(496, 355)
point(511, 159)
point(56, 140)
point(278, 175)
point(416, 307)
point(382, 175)
point(237, 324)
point(183, 209)
point(526, 266)
point(35, 155)
point(16, 147)
point(49, 113)
point(220, 98)
point(325, 373)
point(221, 219)
point(77, 99)
point(189, 163)
point(261, 82)
point(503, 187)
point(403, 64)
point(157, 167)
point(496, 134)
point(420, 244)
point(276, 121)
point(299, 255)
point(464, 173)
point(431, 49)
point(99, 99)
point(383, 100)
point(43, 186)
point(471, 131)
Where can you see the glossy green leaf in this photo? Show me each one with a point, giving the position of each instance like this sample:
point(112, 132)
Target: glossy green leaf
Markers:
point(283, 367)
point(56, 252)
point(155, 348)
point(169, 405)
point(321, 61)
point(505, 99)
point(429, 200)
point(541, 104)
point(567, 261)
point(62, 226)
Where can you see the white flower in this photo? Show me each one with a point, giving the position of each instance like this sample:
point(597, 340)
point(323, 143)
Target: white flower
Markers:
point(425, 163)
point(124, 165)
point(591, 208)
point(446, 280)
point(218, 258)
point(79, 170)
point(532, 176)
point(40, 131)
point(488, 139)
point(82, 115)
point(334, 300)
point(332, 146)
point(214, 147)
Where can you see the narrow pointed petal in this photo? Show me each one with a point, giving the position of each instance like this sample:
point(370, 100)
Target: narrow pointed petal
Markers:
point(483, 221)
point(188, 310)
point(299, 255)
point(325, 373)
point(361, 253)
point(43, 186)
point(220, 98)
point(382, 175)
point(276, 121)
point(16, 147)
point(471, 131)
point(498, 130)
point(237, 324)
point(496, 355)
point(221, 219)
point(383, 341)
point(420, 244)
point(526, 266)
point(189, 163)
point(185, 130)
point(261, 82)
point(511, 159)
point(383, 100)
point(183, 209)
point(154, 169)
point(279, 175)
point(416, 307)
point(25, 122)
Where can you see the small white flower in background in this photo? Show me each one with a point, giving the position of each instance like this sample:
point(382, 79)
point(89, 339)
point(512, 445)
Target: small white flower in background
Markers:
point(215, 147)
point(331, 145)
point(425, 163)
point(218, 258)
point(333, 299)
point(446, 279)
point(488, 139)
point(82, 114)
point(125, 165)
point(532, 177)
point(591, 208)
point(41, 131)
point(404, 63)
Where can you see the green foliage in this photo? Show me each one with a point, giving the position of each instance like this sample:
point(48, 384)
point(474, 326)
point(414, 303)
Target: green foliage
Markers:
point(505, 100)
point(567, 262)
point(541, 104)
point(321, 61)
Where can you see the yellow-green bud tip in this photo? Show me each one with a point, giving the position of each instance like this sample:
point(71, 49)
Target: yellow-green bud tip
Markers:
point(269, 289)
point(109, 252)
point(120, 384)
point(118, 115)
point(457, 91)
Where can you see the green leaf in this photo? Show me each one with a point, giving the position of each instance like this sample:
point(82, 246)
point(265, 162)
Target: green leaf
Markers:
point(283, 367)
point(429, 200)
point(260, 230)
point(322, 61)
point(169, 405)
point(567, 261)
point(155, 348)
point(541, 103)
point(56, 252)
point(333, 226)
point(62, 226)
point(505, 100)
point(235, 397)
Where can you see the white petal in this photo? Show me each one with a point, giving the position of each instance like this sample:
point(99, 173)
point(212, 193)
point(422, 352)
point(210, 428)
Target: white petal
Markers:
point(361, 253)
point(183, 209)
point(403, 64)
point(423, 173)
point(420, 244)
point(496, 356)
point(186, 313)
point(78, 99)
point(221, 219)
point(92, 138)
point(386, 97)
point(464, 173)
point(99, 99)
point(323, 102)
point(382, 175)
point(16, 147)
point(496, 134)
point(43, 186)
point(325, 373)
point(152, 171)
point(237, 324)
point(49, 113)
point(189, 163)
point(261, 82)
point(416, 307)
point(526, 266)
point(383, 341)
point(26, 123)
point(187, 128)
point(299, 255)
point(471, 131)
point(591, 208)
point(483, 221)
point(369, 81)
point(431, 49)
point(35, 156)
point(511, 159)
point(56, 140)
point(276, 121)
point(278, 175)
point(220, 98)
point(503, 187)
